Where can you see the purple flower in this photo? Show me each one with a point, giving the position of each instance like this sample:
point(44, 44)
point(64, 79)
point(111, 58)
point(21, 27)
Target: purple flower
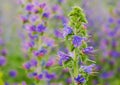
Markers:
point(39, 77)
point(34, 74)
point(50, 62)
point(33, 28)
point(33, 62)
point(24, 19)
point(31, 44)
point(41, 28)
point(64, 20)
point(69, 80)
point(13, 73)
point(6, 83)
point(114, 54)
point(88, 50)
point(55, 8)
point(27, 65)
point(29, 7)
point(24, 83)
point(27, 45)
point(106, 75)
point(67, 30)
point(46, 15)
point(4, 52)
point(2, 61)
point(111, 20)
point(33, 37)
point(63, 57)
point(58, 33)
point(88, 69)
point(77, 41)
point(79, 79)
point(50, 75)
point(41, 52)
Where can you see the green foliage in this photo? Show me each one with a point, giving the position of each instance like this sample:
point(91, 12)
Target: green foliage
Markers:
point(77, 15)
point(68, 63)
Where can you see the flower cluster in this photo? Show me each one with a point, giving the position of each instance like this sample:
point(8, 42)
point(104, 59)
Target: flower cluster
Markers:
point(36, 44)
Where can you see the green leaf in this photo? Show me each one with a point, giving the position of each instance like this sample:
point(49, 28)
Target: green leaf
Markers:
point(68, 63)
point(77, 14)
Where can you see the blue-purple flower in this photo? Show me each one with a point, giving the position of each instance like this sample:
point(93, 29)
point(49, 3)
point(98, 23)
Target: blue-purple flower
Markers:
point(2, 61)
point(50, 62)
point(88, 69)
point(79, 79)
point(33, 62)
point(63, 57)
point(114, 54)
point(13, 73)
point(67, 30)
point(24, 83)
point(69, 80)
point(4, 52)
point(32, 28)
point(31, 44)
point(77, 41)
point(41, 52)
point(39, 76)
point(50, 75)
point(24, 19)
point(27, 65)
point(46, 15)
point(41, 28)
point(29, 7)
point(88, 50)
point(106, 75)
point(58, 33)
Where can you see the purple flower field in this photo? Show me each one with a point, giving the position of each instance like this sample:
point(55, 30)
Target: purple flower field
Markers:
point(59, 42)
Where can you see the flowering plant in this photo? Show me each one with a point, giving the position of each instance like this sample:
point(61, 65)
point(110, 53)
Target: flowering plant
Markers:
point(76, 37)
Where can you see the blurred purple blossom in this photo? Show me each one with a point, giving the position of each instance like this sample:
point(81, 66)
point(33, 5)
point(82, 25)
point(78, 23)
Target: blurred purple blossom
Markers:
point(13, 73)
point(41, 28)
point(58, 33)
point(63, 57)
point(88, 69)
point(106, 75)
point(2, 60)
point(67, 30)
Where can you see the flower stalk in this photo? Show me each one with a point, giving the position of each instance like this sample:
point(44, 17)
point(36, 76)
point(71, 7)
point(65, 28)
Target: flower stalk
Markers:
point(78, 48)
